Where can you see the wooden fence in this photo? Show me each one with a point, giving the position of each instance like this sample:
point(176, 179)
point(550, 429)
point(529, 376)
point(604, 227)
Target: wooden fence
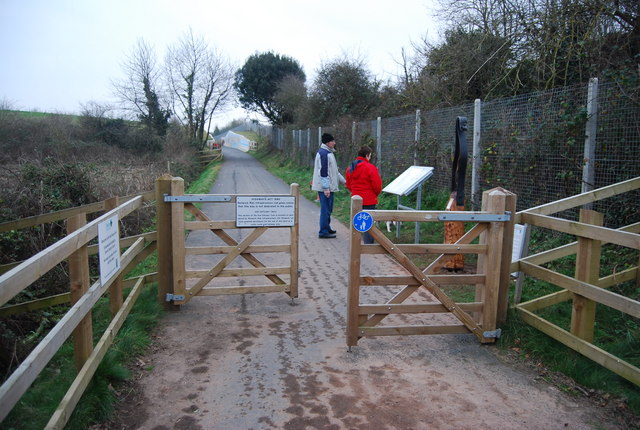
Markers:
point(586, 288)
point(75, 248)
point(493, 227)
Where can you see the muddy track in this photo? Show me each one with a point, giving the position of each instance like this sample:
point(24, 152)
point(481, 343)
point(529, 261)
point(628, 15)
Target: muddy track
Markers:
point(263, 361)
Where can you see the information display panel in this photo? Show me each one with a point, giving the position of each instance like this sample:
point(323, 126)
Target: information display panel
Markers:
point(409, 180)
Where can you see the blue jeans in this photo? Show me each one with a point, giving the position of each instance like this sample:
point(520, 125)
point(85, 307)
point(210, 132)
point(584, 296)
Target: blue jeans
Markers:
point(326, 207)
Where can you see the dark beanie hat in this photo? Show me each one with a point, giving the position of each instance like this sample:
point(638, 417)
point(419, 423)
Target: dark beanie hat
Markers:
point(326, 138)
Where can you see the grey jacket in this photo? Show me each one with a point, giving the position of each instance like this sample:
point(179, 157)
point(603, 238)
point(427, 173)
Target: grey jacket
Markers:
point(325, 171)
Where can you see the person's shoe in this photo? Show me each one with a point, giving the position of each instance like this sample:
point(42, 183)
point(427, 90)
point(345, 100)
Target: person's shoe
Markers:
point(326, 236)
point(332, 231)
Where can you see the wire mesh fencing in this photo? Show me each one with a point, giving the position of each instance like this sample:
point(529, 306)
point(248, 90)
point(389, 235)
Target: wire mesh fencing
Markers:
point(543, 146)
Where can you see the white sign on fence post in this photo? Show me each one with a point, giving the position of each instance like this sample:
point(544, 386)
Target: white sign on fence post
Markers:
point(265, 211)
point(109, 248)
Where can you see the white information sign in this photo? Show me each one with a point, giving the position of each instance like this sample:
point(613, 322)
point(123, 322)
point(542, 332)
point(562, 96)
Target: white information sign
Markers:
point(409, 180)
point(519, 232)
point(109, 248)
point(265, 211)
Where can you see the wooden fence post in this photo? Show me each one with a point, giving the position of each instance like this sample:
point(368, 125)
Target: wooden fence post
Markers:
point(79, 285)
point(165, 256)
point(295, 232)
point(583, 314)
point(353, 293)
point(507, 247)
point(493, 201)
point(115, 290)
point(177, 238)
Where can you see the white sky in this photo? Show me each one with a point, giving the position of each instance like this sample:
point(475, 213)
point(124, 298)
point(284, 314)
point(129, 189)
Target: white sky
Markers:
point(58, 54)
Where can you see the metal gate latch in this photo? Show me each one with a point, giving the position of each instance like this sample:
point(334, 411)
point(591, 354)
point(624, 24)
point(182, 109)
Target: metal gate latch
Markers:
point(176, 297)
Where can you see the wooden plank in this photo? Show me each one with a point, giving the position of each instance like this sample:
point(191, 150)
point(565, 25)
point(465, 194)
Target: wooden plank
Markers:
point(18, 278)
point(435, 266)
point(564, 295)
point(429, 285)
point(148, 278)
point(241, 271)
point(493, 269)
point(256, 233)
point(412, 330)
point(431, 248)
point(209, 225)
point(64, 410)
point(427, 308)
point(179, 286)
point(163, 237)
point(127, 241)
point(606, 235)
point(66, 213)
point(17, 384)
point(294, 236)
point(33, 305)
point(253, 249)
point(244, 289)
point(583, 314)
point(230, 241)
point(78, 286)
point(584, 198)
point(353, 287)
point(452, 279)
point(605, 359)
point(593, 292)
point(506, 251)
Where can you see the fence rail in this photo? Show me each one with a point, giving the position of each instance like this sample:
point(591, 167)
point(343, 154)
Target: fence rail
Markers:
point(73, 248)
point(586, 288)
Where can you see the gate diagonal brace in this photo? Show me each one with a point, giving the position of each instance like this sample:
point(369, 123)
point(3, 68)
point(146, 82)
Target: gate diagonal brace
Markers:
point(231, 242)
point(228, 259)
point(407, 291)
point(433, 288)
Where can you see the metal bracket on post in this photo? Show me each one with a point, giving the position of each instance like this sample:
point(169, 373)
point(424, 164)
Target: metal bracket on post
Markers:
point(493, 334)
point(175, 297)
point(196, 198)
point(475, 217)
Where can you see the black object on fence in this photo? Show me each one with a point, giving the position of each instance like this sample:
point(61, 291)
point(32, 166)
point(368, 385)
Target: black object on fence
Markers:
point(459, 169)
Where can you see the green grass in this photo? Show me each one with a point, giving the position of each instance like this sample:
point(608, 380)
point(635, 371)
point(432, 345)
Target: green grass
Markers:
point(616, 332)
point(40, 401)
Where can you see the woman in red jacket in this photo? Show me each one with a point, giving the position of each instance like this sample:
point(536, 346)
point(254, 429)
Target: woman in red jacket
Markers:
point(364, 180)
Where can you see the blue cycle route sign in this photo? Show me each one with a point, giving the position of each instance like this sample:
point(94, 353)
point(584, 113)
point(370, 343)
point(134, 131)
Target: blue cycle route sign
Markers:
point(362, 221)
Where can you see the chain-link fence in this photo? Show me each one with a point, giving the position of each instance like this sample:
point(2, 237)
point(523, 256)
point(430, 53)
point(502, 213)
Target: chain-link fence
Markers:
point(543, 146)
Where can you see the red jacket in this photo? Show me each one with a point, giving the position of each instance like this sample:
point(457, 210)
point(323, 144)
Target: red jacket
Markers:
point(364, 180)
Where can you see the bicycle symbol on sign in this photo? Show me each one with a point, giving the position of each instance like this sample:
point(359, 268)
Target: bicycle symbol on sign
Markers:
point(362, 221)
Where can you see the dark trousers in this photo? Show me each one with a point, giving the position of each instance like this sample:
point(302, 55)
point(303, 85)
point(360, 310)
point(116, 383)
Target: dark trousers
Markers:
point(326, 207)
point(367, 238)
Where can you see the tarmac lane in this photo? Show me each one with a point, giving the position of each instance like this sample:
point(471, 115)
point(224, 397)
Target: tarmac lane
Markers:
point(266, 361)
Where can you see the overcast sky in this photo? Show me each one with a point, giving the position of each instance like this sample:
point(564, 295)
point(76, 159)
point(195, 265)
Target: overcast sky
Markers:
point(58, 54)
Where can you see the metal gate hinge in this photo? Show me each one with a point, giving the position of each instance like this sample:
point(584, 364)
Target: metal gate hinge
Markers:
point(495, 334)
point(175, 297)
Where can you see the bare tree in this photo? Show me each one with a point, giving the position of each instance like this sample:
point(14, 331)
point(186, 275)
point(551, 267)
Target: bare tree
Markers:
point(200, 80)
point(138, 92)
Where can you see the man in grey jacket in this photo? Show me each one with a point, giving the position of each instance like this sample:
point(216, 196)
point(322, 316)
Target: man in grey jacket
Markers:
point(326, 178)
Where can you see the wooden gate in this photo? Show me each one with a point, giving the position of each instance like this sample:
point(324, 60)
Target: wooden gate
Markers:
point(493, 232)
point(254, 213)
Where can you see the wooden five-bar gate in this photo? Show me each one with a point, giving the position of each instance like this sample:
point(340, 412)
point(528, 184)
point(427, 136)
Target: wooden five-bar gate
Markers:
point(261, 213)
point(493, 232)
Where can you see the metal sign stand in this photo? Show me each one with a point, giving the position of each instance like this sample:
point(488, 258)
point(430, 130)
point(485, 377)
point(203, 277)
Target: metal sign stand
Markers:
point(404, 184)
